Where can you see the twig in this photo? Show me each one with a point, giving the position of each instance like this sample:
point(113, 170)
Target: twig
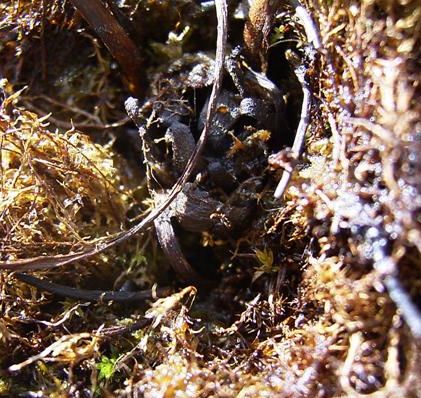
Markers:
point(120, 330)
point(403, 302)
point(169, 244)
point(92, 295)
point(48, 262)
point(312, 32)
point(385, 135)
point(298, 145)
point(336, 139)
point(95, 125)
point(355, 342)
point(65, 317)
point(55, 349)
point(386, 266)
point(26, 100)
point(115, 38)
point(313, 37)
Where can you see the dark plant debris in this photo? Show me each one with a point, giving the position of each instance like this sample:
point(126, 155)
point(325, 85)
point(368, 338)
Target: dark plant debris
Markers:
point(210, 199)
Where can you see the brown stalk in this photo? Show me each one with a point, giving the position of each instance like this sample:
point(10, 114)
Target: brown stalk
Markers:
point(169, 244)
point(257, 30)
point(115, 38)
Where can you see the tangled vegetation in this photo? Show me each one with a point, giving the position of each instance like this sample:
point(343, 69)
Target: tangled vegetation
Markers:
point(233, 292)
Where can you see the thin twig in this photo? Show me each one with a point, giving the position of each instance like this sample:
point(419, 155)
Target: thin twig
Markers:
point(95, 125)
point(336, 139)
point(87, 126)
point(92, 295)
point(312, 31)
point(298, 145)
point(120, 330)
point(27, 101)
point(384, 134)
point(54, 349)
point(64, 318)
point(404, 303)
point(313, 37)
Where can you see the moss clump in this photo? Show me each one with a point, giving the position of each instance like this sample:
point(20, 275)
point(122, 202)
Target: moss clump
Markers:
point(59, 191)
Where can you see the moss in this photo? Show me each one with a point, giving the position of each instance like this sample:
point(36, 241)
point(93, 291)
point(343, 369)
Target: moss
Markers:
point(302, 305)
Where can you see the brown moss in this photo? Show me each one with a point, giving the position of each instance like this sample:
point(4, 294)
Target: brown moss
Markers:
point(59, 191)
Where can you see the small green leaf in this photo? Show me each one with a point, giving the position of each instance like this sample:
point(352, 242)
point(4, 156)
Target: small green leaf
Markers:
point(106, 368)
point(265, 257)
